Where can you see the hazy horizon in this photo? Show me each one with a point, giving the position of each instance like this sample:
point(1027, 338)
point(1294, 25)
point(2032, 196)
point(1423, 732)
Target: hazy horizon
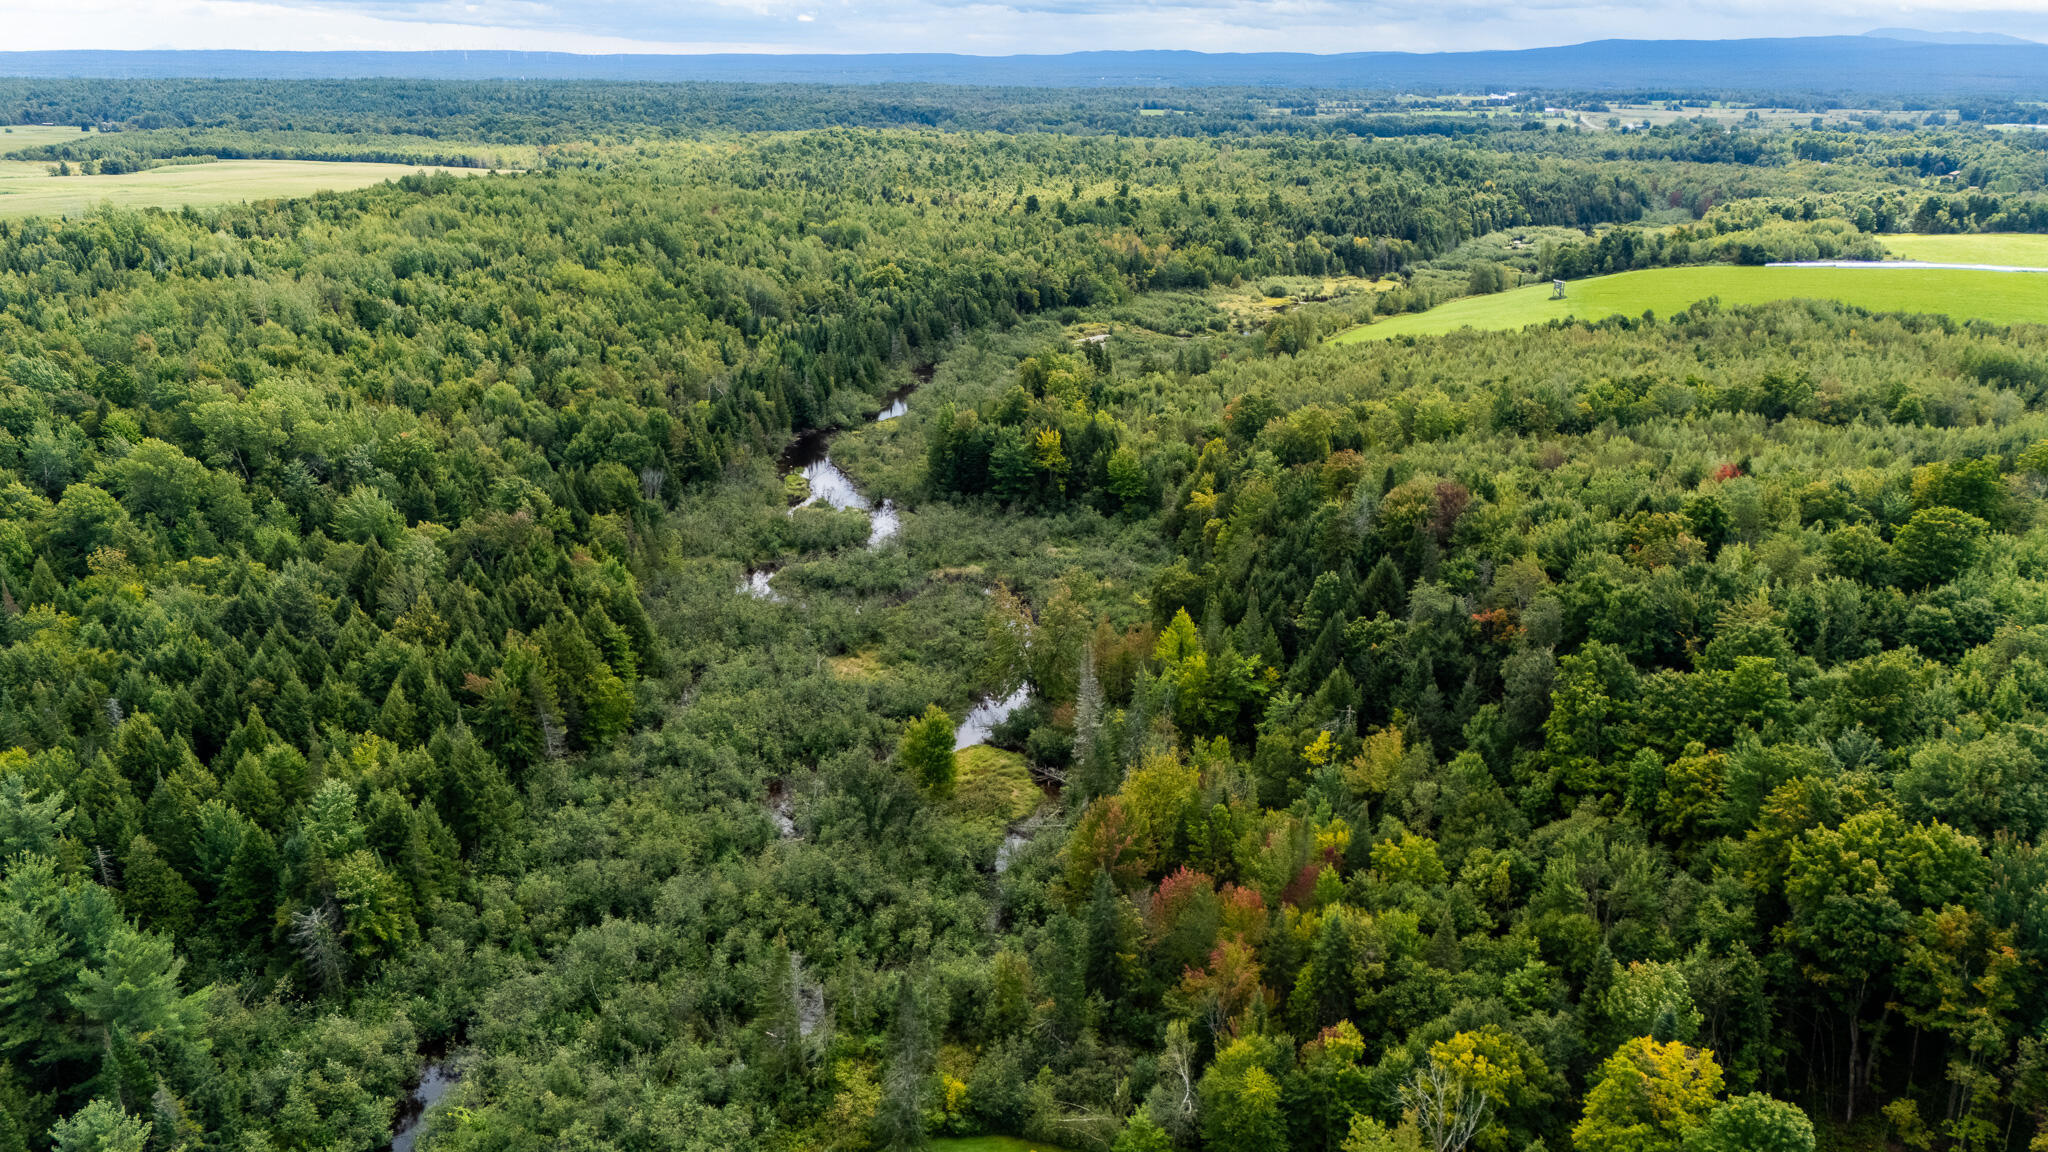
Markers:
point(962, 26)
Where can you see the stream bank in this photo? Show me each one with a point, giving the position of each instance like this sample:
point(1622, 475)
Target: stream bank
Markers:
point(810, 455)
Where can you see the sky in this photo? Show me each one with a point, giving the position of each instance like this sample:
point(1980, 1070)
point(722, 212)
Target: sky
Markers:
point(985, 27)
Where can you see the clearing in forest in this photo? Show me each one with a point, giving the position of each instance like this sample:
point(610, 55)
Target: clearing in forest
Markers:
point(2000, 297)
point(2023, 249)
point(13, 136)
point(28, 189)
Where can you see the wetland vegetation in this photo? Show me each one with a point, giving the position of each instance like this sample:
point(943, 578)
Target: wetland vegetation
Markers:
point(421, 678)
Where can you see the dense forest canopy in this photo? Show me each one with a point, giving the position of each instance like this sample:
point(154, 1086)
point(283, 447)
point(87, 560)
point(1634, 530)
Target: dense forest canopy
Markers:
point(287, 113)
point(1609, 736)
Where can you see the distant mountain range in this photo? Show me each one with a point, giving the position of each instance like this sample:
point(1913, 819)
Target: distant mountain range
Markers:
point(1922, 37)
point(1892, 62)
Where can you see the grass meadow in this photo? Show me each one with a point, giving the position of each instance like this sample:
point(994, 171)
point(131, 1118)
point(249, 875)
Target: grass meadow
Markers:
point(2000, 297)
point(2021, 249)
point(15, 136)
point(28, 189)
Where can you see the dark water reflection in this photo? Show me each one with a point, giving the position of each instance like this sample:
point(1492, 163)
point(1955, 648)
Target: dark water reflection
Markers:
point(811, 455)
point(435, 1082)
point(983, 718)
point(831, 486)
point(897, 403)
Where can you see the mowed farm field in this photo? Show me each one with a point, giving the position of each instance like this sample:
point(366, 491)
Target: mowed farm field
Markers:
point(28, 189)
point(2001, 297)
point(15, 136)
point(2020, 249)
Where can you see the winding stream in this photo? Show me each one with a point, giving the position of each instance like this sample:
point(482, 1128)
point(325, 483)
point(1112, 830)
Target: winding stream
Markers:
point(983, 718)
point(435, 1081)
point(758, 587)
point(1014, 841)
point(782, 810)
point(833, 487)
point(811, 455)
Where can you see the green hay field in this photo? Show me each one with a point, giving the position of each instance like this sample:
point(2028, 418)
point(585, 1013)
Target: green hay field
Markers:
point(2000, 297)
point(15, 136)
point(28, 189)
point(2021, 249)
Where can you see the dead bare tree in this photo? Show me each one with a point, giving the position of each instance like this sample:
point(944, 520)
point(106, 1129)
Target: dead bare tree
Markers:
point(320, 945)
point(1448, 1110)
point(1173, 1104)
point(554, 741)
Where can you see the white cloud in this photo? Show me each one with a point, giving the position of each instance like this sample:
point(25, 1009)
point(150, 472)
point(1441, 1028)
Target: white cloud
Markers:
point(975, 26)
point(128, 24)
